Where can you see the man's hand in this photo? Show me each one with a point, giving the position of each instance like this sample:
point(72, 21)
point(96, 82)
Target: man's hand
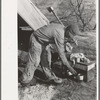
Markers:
point(72, 70)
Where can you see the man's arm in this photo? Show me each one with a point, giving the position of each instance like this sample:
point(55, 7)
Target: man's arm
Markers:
point(59, 41)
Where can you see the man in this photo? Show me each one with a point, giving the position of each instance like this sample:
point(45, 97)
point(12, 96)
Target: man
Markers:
point(51, 34)
point(53, 53)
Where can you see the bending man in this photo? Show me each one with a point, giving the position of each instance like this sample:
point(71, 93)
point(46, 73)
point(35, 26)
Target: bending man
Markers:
point(51, 34)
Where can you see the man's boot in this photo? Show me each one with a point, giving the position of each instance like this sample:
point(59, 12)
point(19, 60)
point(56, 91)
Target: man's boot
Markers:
point(51, 76)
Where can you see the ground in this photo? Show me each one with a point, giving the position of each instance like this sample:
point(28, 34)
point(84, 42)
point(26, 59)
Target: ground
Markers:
point(69, 89)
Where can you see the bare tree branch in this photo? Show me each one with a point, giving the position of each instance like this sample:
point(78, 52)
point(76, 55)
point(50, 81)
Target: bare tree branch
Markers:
point(90, 18)
point(94, 27)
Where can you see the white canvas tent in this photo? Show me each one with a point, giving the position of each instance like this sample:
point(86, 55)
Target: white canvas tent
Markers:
point(31, 14)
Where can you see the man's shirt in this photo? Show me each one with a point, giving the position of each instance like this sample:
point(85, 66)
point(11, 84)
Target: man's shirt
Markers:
point(48, 34)
point(53, 33)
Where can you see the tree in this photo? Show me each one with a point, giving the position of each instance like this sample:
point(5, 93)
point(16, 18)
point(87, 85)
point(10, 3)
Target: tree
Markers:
point(84, 14)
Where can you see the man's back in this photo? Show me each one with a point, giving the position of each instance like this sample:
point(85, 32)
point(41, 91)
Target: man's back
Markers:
point(47, 33)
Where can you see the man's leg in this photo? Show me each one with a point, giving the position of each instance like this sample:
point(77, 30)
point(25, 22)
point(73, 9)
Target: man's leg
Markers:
point(46, 65)
point(33, 60)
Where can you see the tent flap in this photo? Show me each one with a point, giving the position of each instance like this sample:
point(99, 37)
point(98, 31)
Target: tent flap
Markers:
point(31, 14)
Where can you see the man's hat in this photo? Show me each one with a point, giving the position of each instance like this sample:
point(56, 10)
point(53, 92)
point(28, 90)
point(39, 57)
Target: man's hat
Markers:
point(72, 30)
point(73, 27)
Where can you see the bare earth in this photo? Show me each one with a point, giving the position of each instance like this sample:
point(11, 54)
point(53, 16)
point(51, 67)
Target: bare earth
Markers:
point(68, 90)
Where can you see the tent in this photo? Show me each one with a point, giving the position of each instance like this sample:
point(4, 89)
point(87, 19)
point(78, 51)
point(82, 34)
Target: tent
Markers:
point(31, 14)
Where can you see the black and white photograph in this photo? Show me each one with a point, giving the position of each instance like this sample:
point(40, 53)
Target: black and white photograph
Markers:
point(56, 50)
